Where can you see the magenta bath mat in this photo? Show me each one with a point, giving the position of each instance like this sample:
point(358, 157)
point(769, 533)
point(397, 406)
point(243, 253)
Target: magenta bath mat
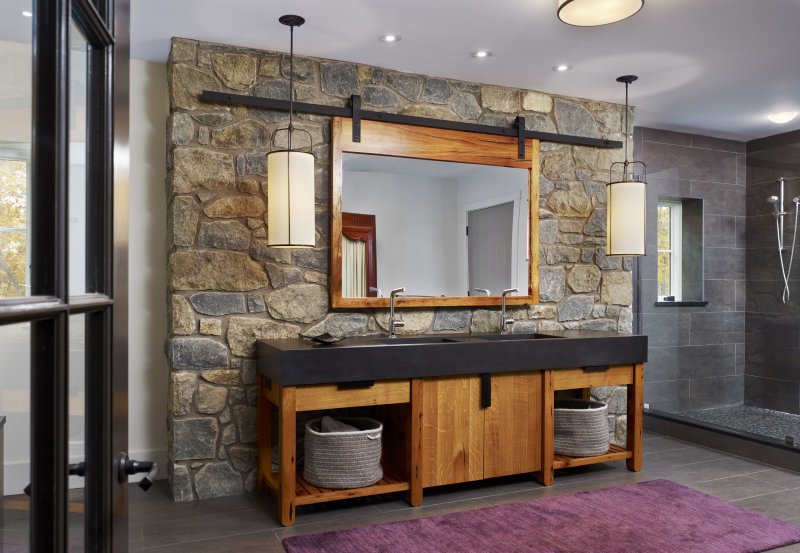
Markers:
point(655, 516)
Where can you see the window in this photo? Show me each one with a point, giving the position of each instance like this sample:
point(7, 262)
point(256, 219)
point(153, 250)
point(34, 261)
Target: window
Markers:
point(13, 225)
point(679, 241)
point(669, 249)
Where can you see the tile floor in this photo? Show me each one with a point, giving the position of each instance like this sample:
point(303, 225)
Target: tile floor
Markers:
point(244, 524)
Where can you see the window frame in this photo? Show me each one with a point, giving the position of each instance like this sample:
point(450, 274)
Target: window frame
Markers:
point(675, 251)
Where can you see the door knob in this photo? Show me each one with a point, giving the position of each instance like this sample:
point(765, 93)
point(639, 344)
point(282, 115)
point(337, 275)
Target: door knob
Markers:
point(127, 467)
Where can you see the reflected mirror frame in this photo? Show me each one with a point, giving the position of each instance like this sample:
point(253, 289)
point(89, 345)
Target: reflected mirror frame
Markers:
point(418, 142)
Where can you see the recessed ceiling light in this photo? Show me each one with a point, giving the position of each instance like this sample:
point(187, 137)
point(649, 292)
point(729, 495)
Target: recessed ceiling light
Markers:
point(562, 67)
point(27, 14)
point(390, 38)
point(481, 54)
point(782, 117)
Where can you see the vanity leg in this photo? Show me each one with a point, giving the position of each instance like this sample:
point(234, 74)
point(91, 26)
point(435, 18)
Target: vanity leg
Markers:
point(634, 439)
point(414, 495)
point(288, 445)
point(264, 438)
point(545, 476)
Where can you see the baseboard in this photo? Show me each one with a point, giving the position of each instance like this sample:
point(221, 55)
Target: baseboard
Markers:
point(17, 473)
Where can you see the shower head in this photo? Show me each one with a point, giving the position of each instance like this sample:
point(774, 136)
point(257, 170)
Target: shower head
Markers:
point(774, 201)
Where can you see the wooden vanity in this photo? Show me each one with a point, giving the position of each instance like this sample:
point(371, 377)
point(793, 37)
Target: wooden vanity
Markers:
point(439, 427)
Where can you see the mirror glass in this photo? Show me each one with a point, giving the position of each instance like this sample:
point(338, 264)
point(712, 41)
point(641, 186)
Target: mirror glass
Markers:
point(436, 228)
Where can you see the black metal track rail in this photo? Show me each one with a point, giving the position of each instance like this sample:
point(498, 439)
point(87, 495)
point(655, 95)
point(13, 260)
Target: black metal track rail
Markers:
point(353, 111)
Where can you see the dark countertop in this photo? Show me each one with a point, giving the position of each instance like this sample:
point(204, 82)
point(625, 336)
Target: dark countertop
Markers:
point(298, 362)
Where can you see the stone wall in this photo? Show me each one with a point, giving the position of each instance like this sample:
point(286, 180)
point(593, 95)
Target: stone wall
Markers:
point(226, 288)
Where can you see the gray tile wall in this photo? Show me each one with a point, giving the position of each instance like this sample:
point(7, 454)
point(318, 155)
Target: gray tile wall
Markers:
point(772, 352)
point(696, 354)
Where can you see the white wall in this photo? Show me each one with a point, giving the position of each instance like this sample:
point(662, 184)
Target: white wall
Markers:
point(415, 219)
point(488, 186)
point(147, 281)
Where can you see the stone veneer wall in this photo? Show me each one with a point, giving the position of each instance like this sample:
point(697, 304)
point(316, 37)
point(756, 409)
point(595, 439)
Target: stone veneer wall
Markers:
point(226, 288)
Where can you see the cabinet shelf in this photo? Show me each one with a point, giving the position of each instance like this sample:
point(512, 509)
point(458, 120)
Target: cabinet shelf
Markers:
point(615, 453)
point(307, 493)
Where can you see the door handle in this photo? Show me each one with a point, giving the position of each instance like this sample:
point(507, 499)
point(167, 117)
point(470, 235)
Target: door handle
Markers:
point(127, 467)
point(486, 390)
point(73, 469)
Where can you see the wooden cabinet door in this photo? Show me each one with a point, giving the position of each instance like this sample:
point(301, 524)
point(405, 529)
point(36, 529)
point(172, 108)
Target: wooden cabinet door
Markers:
point(453, 430)
point(513, 425)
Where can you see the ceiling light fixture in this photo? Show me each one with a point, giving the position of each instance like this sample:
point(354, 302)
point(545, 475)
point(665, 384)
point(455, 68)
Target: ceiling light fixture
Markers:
point(626, 200)
point(480, 54)
point(290, 178)
point(27, 14)
point(391, 38)
point(591, 13)
point(782, 117)
point(561, 68)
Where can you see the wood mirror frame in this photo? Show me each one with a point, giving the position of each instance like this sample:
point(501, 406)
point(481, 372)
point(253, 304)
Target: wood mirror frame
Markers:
point(397, 140)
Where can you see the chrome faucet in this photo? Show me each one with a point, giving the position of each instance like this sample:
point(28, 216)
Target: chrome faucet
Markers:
point(392, 322)
point(505, 322)
point(484, 290)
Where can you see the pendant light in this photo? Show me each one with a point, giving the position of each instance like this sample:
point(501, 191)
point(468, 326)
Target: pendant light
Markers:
point(626, 200)
point(290, 178)
point(591, 13)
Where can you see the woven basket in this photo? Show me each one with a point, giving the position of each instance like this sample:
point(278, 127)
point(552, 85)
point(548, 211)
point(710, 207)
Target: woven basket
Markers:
point(580, 428)
point(343, 459)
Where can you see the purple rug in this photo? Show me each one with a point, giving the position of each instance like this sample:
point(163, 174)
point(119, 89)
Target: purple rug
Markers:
point(658, 516)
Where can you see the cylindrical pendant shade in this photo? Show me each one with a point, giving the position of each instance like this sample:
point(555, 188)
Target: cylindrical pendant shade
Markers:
point(290, 200)
point(625, 218)
point(589, 13)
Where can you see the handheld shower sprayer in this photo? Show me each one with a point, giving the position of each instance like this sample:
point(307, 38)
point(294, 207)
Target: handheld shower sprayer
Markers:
point(779, 214)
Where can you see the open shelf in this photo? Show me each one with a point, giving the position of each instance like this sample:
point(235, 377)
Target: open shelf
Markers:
point(615, 453)
point(307, 493)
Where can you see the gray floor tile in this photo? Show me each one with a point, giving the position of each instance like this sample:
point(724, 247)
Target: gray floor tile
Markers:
point(785, 478)
point(257, 542)
point(705, 471)
point(737, 487)
point(783, 505)
point(661, 443)
point(380, 518)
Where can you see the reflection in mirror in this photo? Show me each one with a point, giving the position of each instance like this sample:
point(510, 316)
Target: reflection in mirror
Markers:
point(437, 228)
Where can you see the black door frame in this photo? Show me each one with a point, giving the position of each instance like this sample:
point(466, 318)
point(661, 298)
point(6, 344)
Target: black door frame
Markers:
point(105, 24)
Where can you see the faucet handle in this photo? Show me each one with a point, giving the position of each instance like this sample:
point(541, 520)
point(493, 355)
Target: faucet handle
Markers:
point(399, 323)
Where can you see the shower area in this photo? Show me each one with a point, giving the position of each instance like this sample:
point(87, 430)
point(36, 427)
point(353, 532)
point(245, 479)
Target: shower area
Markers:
point(718, 293)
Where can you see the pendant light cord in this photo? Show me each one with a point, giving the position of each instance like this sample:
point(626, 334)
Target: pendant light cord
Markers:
point(291, 83)
point(625, 166)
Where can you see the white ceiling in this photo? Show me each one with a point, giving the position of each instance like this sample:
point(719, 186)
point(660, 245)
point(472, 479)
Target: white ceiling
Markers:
point(715, 67)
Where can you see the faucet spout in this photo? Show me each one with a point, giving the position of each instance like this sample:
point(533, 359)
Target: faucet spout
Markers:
point(392, 322)
point(505, 321)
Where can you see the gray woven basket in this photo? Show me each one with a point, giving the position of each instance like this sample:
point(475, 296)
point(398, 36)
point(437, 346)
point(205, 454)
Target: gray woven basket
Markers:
point(343, 459)
point(580, 428)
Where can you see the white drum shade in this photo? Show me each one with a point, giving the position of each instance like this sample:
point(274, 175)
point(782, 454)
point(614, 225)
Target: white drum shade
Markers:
point(625, 218)
point(290, 200)
point(589, 13)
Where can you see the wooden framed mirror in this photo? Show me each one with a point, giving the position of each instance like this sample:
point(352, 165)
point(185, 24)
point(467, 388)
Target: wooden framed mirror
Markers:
point(423, 189)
